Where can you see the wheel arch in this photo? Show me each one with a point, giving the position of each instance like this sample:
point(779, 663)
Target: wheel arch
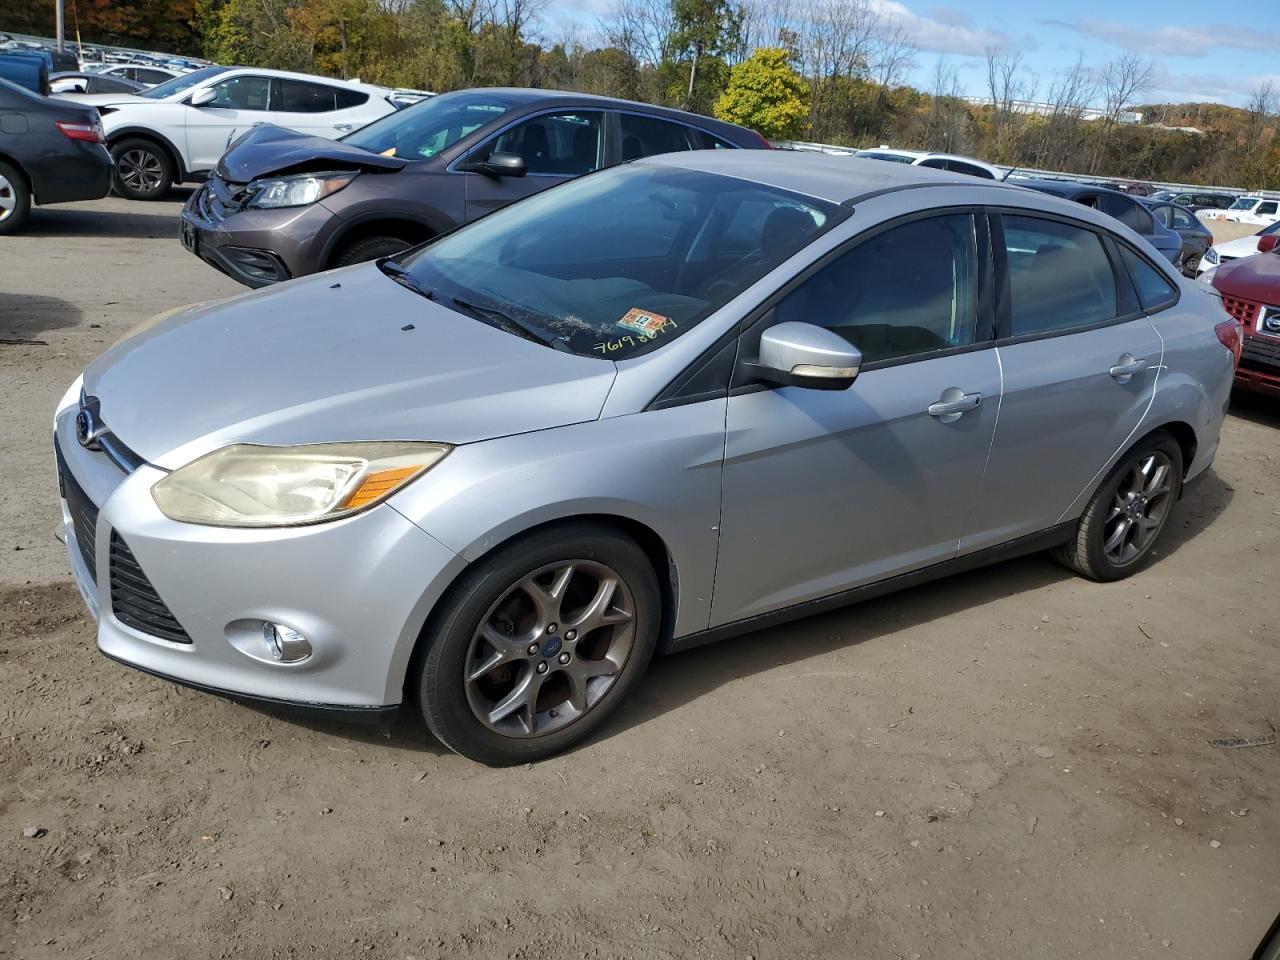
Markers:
point(649, 540)
point(410, 228)
point(22, 172)
point(159, 139)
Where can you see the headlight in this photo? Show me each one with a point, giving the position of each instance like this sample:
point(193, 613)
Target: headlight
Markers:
point(249, 485)
point(296, 191)
point(1211, 255)
point(1207, 276)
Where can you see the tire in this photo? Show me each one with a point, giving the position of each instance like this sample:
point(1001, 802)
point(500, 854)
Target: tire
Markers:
point(15, 199)
point(370, 248)
point(144, 169)
point(1123, 521)
point(491, 627)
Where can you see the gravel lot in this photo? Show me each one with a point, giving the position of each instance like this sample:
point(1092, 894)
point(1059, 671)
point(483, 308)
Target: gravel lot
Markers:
point(1013, 763)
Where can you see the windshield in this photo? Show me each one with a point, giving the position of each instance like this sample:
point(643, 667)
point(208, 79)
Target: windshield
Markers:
point(1269, 228)
point(620, 262)
point(181, 84)
point(1245, 203)
point(423, 130)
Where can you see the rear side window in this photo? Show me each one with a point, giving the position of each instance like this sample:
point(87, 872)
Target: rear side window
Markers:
point(1059, 276)
point(1129, 212)
point(350, 98)
point(1154, 288)
point(646, 136)
point(891, 302)
point(707, 141)
point(143, 75)
point(299, 97)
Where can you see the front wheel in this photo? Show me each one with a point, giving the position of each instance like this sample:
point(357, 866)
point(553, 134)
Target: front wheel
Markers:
point(538, 643)
point(1120, 526)
point(143, 169)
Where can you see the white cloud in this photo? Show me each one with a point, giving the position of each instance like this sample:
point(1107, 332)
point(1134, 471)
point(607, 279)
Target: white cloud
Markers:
point(947, 31)
point(1172, 40)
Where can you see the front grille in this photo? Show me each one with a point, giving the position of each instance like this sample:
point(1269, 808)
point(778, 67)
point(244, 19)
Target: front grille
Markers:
point(134, 600)
point(1261, 353)
point(84, 514)
point(218, 199)
point(1246, 311)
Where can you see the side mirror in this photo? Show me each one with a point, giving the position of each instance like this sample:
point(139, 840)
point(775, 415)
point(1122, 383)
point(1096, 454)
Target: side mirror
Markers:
point(499, 165)
point(805, 355)
point(203, 96)
point(1268, 243)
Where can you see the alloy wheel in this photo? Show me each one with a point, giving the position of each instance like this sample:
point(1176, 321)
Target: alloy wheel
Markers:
point(8, 198)
point(550, 649)
point(1139, 509)
point(140, 170)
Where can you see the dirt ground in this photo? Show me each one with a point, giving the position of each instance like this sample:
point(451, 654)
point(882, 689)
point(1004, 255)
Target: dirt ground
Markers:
point(1012, 763)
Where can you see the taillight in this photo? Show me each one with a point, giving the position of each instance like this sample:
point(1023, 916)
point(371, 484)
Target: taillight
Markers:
point(76, 130)
point(1228, 332)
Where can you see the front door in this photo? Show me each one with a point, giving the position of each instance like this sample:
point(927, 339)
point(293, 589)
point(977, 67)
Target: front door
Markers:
point(239, 103)
point(828, 490)
point(555, 146)
point(1080, 363)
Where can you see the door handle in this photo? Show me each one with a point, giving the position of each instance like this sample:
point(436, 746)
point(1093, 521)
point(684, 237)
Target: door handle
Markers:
point(1126, 367)
point(953, 404)
point(344, 127)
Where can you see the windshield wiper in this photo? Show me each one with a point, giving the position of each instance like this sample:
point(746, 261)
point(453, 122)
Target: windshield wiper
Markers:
point(504, 321)
point(402, 276)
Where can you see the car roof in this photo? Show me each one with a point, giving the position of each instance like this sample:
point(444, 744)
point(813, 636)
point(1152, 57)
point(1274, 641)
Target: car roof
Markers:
point(835, 179)
point(1067, 188)
point(291, 75)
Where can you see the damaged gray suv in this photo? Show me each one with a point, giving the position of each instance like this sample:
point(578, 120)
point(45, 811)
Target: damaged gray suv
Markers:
point(283, 204)
point(663, 404)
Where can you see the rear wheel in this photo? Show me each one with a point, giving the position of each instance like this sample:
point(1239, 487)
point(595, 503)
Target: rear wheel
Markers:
point(370, 248)
point(15, 199)
point(538, 643)
point(144, 170)
point(1121, 524)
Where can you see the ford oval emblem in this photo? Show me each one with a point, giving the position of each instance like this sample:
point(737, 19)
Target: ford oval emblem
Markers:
point(551, 647)
point(88, 427)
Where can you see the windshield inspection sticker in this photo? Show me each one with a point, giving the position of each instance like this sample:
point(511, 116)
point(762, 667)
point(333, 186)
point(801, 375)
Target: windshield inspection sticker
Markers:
point(643, 322)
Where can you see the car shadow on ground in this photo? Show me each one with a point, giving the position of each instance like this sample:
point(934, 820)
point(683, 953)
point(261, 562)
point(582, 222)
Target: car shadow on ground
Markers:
point(25, 317)
point(675, 680)
point(1256, 408)
point(127, 219)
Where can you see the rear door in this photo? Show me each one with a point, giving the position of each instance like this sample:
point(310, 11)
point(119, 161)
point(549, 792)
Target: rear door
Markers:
point(1079, 362)
point(556, 147)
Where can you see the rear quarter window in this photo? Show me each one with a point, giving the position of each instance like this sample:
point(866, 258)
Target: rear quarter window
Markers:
point(1154, 289)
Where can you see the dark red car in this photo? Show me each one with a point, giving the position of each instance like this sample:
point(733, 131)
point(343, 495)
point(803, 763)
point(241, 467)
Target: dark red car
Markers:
point(1250, 289)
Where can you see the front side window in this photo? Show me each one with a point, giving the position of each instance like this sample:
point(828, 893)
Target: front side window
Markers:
point(624, 282)
point(425, 129)
point(1154, 288)
point(1267, 209)
point(646, 136)
point(242, 93)
point(561, 144)
point(1059, 276)
point(889, 300)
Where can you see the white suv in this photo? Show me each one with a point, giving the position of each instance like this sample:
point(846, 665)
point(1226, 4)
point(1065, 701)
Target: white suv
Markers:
point(177, 131)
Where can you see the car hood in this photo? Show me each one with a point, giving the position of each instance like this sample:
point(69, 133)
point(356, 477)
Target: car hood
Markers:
point(1251, 278)
point(345, 355)
point(268, 149)
point(1239, 247)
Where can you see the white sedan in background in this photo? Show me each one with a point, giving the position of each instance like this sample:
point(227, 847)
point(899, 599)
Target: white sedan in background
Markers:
point(177, 131)
point(938, 161)
point(1236, 249)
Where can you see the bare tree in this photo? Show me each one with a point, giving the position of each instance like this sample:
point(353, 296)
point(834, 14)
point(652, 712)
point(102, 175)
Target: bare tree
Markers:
point(1121, 82)
point(1069, 96)
point(1010, 86)
point(643, 29)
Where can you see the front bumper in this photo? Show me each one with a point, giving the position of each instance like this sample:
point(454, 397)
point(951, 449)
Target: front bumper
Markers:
point(256, 247)
point(359, 589)
point(1259, 369)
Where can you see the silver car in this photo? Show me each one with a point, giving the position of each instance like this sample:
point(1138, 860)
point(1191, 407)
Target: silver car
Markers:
point(667, 403)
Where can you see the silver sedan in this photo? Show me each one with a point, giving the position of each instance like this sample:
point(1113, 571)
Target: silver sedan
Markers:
point(664, 404)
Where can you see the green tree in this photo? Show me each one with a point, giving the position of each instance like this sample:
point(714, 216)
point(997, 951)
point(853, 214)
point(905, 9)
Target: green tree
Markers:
point(766, 94)
point(704, 31)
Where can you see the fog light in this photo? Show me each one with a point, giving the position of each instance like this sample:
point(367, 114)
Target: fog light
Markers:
point(286, 644)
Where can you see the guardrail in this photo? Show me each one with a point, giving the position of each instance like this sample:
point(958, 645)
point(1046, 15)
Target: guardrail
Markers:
point(838, 150)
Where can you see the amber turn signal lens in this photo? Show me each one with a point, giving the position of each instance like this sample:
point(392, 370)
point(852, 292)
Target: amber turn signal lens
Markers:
point(377, 485)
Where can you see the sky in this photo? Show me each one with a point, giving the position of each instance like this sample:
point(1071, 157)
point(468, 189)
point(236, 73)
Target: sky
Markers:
point(1201, 51)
